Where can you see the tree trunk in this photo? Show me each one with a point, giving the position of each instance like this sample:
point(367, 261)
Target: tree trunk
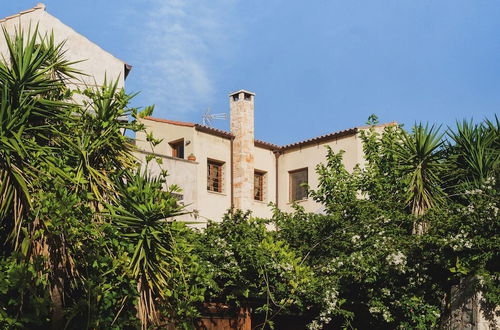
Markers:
point(56, 293)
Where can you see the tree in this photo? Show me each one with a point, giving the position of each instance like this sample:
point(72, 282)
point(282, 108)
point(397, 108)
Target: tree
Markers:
point(143, 217)
point(421, 160)
point(251, 267)
point(32, 99)
point(371, 270)
point(473, 153)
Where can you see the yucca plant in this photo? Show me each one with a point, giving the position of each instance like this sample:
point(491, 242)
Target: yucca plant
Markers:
point(32, 81)
point(94, 138)
point(143, 215)
point(474, 153)
point(421, 161)
point(34, 99)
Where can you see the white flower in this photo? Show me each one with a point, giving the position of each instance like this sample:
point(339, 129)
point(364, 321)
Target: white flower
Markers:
point(398, 260)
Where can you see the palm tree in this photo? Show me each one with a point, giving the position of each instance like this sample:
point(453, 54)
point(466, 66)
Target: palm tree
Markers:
point(143, 216)
point(32, 78)
point(45, 136)
point(32, 82)
point(475, 154)
point(94, 138)
point(421, 160)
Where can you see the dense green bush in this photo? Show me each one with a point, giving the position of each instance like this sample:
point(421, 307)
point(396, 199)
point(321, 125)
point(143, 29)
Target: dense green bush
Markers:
point(89, 239)
point(372, 269)
point(250, 267)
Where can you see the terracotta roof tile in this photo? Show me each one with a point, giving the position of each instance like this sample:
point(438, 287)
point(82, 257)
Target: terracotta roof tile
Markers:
point(392, 123)
point(321, 138)
point(179, 123)
point(214, 131)
point(267, 145)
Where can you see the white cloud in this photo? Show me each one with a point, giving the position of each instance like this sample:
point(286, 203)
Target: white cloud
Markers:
point(178, 42)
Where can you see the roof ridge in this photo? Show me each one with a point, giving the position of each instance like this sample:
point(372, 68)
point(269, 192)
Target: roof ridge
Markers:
point(276, 147)
point(37, 7)
point(320, 138)
point(160, 120)
point(41, 6)
point(220, 132)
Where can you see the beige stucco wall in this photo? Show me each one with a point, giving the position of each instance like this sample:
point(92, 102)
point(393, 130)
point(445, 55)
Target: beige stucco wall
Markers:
point(180, 173)
point(310, 156)
point(265, 160)
point(167, 133)
point(193, 179)
point(96, 62)
point(212, 205)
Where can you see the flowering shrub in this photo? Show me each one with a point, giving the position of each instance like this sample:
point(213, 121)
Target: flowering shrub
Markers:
point(371, 270)
point(250, 266)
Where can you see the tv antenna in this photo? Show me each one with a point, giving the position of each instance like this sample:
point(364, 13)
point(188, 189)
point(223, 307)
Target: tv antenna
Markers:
point(209, 117)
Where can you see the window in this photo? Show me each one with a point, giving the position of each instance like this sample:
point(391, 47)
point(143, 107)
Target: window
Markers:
point(177, 148)
point(214, 175)
point(258, 185)
point(297, 190)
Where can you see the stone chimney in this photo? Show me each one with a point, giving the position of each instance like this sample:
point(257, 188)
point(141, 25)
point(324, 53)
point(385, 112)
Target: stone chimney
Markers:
point(241, 105)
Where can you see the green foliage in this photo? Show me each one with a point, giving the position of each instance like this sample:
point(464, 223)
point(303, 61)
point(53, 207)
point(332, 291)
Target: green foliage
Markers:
point(159, 257)
point(250, 266)
point(90, 239)
point(21, 284)
point(474, 154)
point(371, 270)
point(87, 234)
point(31, 99)
point(421, 160)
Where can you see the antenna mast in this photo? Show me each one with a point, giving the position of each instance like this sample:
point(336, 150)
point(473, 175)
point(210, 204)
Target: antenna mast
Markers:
point(209, 117)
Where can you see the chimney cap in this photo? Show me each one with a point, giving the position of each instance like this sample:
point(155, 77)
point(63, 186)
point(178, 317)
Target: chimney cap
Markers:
point(241, 91)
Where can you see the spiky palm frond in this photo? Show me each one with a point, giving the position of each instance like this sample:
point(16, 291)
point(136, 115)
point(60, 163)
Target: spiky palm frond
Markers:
point(27, 109)
point(143, 215)
point(422, 161)
point(96, 141)
point(475, 152)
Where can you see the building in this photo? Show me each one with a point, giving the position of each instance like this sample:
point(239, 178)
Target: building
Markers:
point(218, 170)
point(95, 62)
point(215, 169)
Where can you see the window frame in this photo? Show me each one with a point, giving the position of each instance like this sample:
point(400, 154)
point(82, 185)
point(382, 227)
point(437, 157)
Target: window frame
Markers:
point(212, 163)
point(292, 185)
point(262, 180)
point(174, 145)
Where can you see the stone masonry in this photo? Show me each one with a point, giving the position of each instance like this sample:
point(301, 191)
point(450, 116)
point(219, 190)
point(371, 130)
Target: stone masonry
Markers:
point(241, 104)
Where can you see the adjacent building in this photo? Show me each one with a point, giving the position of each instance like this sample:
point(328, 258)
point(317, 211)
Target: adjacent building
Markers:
point(97, 64)
point(215, 169)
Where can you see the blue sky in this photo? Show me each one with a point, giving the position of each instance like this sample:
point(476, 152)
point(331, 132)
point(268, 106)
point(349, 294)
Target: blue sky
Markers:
point(316, 66)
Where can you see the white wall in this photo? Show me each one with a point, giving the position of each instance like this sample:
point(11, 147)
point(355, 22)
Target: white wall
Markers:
point(212, 205)
point(309, 157)
point(96, 62)
point(265, 160)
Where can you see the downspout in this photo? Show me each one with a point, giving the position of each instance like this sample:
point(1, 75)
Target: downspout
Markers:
point(232, 174)
point(277, 155)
